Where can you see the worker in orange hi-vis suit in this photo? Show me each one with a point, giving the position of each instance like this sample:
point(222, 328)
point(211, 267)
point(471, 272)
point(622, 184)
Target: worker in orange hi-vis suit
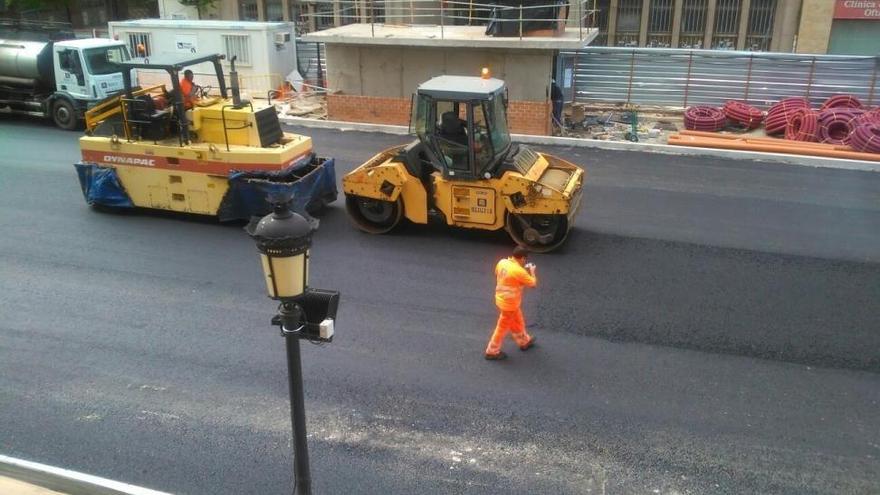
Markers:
point(188, 89)
point(511, 275)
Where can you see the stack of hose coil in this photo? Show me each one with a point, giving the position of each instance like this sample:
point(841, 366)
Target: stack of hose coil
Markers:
point(866, 138)
point(836, 124)
point(803, 126)
point(702, 118)
point(841, 101)
point(740, 113)
point(869, 116)
point(842, 123)
point(780, 114)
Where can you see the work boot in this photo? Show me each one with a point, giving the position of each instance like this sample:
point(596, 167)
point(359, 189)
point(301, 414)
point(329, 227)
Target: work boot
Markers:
point(528, 345)
point(496, 357)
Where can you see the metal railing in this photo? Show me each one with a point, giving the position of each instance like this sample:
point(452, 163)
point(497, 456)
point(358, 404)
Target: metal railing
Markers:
point(680, 78)
point(449, 13)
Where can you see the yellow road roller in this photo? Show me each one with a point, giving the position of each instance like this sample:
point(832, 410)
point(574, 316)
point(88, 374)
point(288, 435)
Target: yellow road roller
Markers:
point(155, 147)
point(464, 171)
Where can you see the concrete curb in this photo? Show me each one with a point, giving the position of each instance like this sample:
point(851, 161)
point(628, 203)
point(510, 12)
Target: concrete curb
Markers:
point(66, 481)
point(801, 160)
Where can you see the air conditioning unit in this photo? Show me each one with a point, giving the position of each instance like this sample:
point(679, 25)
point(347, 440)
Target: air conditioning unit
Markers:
point(281, 38)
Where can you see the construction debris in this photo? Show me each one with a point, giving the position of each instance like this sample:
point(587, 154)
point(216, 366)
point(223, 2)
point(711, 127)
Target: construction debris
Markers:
point(616, 122)
point(310, 103)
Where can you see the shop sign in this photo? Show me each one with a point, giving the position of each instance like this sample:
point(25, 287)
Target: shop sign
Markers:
point(857, 9)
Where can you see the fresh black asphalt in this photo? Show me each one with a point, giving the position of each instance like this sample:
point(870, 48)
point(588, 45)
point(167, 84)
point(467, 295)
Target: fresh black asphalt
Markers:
point(710, 327)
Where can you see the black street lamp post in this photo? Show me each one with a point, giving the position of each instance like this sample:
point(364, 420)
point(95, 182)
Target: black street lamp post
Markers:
point(283, 239)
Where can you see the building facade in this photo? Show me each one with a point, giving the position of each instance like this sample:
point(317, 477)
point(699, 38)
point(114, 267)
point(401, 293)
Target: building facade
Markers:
point(802, 26)
point(88, 17)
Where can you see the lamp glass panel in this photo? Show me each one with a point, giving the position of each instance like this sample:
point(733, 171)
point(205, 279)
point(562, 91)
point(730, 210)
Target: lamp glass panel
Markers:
point(289, 273)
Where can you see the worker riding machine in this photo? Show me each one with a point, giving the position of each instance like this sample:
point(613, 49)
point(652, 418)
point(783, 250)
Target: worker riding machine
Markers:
point(464, 171)
point(223, 157)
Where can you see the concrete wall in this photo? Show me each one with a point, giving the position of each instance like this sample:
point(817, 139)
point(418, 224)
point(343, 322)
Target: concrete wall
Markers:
point(785, 25)
point(814, 31)
point(523, 117)
point(396, 71)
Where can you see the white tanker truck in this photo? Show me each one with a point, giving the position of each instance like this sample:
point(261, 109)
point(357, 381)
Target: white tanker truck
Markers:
point(60, 79)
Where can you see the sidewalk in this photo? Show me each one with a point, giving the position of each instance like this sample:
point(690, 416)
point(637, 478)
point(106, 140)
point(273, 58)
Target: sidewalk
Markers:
point(13, 486)
point(802, 160)
point(20, 477)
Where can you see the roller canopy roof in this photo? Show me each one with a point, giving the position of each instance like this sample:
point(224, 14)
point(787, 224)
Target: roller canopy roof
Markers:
point(461, 87)
point(168, 62)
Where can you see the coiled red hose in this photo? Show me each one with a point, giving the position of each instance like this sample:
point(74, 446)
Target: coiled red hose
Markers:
point(803, 126)
point(780, 114)
point(741, 113)
point(837, 124)
point(842, 101)
point(704, 119)
point(869, 117)
point(866, 138)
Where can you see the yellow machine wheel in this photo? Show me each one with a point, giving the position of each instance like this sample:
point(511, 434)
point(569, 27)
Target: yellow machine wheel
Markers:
point(537, 233)
point(373, 215)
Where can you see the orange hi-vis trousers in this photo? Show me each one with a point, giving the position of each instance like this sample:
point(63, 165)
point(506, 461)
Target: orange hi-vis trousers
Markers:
point(508, 322)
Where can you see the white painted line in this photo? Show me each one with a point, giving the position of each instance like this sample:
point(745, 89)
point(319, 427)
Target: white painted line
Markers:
point(802, 160)
point(79, 477)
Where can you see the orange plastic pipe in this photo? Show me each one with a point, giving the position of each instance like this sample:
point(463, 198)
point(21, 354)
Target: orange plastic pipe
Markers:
point(768, 140)
point(703, 142)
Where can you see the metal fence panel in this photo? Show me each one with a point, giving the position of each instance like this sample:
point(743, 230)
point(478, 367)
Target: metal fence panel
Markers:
point(681, 78)
point(311, 62)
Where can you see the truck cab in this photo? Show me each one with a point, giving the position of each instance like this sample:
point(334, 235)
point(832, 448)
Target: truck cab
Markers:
point(59, 79)
point(86, 72)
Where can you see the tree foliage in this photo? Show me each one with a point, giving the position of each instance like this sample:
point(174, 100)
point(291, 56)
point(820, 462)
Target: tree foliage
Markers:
point(198, 4)
point(36, 4)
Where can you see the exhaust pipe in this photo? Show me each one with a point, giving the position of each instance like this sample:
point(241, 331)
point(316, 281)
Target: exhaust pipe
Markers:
point(233, 83)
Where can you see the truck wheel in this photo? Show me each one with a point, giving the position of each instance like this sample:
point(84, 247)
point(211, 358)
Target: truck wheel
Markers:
point(373, 215)
point(537, 233)
point(64, 115)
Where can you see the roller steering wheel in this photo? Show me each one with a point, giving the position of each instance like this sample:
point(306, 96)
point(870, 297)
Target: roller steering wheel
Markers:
point(204, 91)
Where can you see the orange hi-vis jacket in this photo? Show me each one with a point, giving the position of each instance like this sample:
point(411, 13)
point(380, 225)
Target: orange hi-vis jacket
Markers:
point(510, 279)
point(186, 90)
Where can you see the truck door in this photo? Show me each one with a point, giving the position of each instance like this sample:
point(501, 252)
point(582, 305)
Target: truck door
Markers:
point(70, 76)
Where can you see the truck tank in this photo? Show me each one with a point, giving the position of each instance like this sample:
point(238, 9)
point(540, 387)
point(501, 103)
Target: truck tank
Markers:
point(26, 64)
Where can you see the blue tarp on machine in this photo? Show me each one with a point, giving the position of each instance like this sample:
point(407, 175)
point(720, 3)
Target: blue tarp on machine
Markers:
point(310, 182)
point(100, 186)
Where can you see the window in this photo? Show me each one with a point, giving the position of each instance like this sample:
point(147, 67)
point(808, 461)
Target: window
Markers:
point(104, 60)
point(693, 23)
point(482, 143)
point(629, 18)
point(248, 11)
point(450, 136)
point(139, 44)
point(274, 11)
point(238, 46)
point(726, 24)
point(498, 121)
point(760, 31)
point(660, 24)
point(599, 19)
